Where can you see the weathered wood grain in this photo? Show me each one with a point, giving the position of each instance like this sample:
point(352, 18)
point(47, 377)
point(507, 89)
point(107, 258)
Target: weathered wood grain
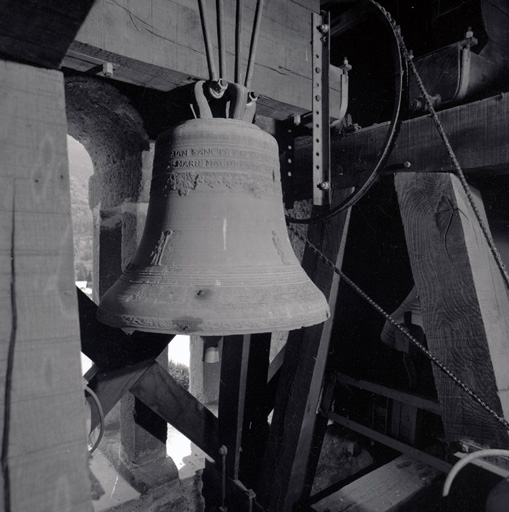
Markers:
point(403, 484)
point(478, 132)
point(159, 44)
point(159, 391)
point(464, 303)
point(40, 32)
point(47, 451)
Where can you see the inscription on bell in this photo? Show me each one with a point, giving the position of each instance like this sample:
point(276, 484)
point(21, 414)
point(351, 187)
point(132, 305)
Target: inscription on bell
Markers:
point(220, 152)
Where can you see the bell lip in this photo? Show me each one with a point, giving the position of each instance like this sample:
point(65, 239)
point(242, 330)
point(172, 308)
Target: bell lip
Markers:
point(116, 320)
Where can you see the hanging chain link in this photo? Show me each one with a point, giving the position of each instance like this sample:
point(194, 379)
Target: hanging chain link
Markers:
point(401, 328)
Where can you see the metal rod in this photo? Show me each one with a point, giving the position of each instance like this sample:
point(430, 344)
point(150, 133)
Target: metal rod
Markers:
point(220, 38)
point(208, 45)
point(238, 43)
point(254, 42)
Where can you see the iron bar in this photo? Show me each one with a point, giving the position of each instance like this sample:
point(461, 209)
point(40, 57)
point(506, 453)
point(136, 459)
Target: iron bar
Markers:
point(254, 43)
point(238, 43)
point(220, 38)
point(208, 45)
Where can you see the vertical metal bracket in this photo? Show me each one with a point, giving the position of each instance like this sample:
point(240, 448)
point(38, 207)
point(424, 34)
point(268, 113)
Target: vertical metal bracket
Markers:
point(320, 103)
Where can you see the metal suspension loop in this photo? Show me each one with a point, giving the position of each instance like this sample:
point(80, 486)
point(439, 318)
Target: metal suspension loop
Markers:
point(238, 42)
point(254, 43)
point(392, 133)
point(220, 38)
point(388, 317)
point(208, 45)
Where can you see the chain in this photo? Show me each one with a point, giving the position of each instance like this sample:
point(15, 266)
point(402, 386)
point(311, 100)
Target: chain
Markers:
point(401, 328)
point(452, 156)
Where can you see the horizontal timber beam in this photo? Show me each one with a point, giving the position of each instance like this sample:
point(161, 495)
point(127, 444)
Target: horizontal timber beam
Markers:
point(159, 44)
point(478, 133)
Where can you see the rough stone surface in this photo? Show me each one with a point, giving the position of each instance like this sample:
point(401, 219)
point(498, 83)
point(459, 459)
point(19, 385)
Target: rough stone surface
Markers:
point(112, 131)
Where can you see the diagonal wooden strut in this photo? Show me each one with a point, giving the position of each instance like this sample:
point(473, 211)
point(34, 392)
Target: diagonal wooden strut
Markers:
point(127, 363)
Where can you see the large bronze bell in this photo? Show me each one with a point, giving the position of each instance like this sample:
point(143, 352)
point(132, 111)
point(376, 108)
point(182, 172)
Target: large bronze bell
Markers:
point(214, 258)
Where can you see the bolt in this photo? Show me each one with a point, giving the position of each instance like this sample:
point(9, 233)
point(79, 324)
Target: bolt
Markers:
point(317, 70)
point(407, 164)
point(323, 28)
point(325, 185)
point(318, 97)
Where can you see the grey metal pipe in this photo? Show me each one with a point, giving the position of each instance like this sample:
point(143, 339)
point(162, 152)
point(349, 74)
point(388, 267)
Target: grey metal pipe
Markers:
point(220, 38)
point(208, 45)
point(238, 43)
point(254, 43)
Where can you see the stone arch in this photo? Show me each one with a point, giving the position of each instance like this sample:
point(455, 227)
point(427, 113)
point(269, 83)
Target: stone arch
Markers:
point(111, 130)
point(103, 119)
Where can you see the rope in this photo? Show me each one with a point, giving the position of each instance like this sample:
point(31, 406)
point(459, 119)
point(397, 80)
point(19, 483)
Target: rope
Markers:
point(401, 328)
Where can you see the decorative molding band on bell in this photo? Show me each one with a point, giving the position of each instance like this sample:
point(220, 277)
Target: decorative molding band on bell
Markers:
point(215, 258)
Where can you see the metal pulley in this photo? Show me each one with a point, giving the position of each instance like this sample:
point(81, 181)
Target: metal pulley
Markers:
point(215, 258)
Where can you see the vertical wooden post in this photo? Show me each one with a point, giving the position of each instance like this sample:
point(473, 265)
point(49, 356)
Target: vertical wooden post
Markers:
point(232, 390)
point(464, 303)
point(292, 448)
point(44, 451)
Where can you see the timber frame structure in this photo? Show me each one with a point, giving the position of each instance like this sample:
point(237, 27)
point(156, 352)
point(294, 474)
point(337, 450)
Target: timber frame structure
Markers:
point(464, 301)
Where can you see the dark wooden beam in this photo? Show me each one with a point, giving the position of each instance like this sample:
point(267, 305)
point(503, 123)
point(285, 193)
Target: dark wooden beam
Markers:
point(402, 485)
point(40, 31)
point(110, 348)
point(232, 391)
point(293, 445)
point(464, 303)
point(158, 390)
point(477, 132)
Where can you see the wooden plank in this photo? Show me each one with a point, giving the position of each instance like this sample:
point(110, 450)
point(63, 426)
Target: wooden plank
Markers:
point(232, 394)
point(40, 31)
point(478, 132)
point(42, 421)
point(402, 485)
point(110, 347)
point(292, 451)
point(159, 44)
point(464, 303)
point(111, 385)
point(401, 396)
point(255, 426)
point(159, 391)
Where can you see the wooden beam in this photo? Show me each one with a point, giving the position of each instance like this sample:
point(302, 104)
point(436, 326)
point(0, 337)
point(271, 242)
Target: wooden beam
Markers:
point(159, 44)
point(40, 31)
point(292, 451)
point(478, 132)
point(42, 420)
point(402, 485)
point(110, 348)
point(255, 427)
point(111, 385)
point(158, 390)
point(401, 396)
point(464, 303)
point(232, 390)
